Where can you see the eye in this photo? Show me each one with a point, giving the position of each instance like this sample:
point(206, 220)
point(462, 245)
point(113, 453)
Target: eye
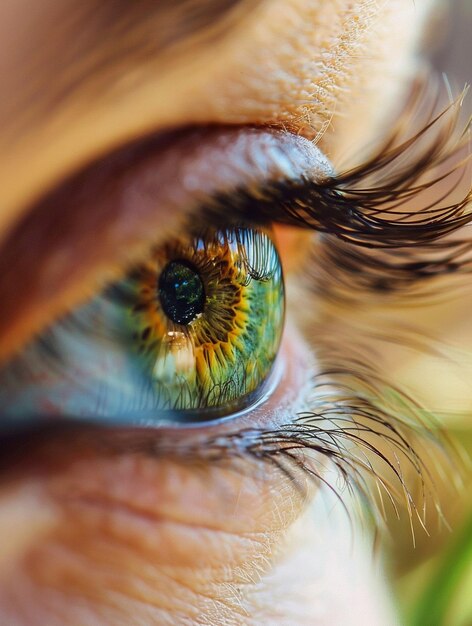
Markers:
point(190, 321)
point(191, 333)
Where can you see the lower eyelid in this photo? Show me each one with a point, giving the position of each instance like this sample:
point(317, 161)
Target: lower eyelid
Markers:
point(282, 399)
point(135, 500)
point(138, 485)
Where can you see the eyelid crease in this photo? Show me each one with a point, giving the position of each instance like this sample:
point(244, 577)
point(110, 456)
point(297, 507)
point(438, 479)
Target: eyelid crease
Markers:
point(283, 179)
point(89, 231)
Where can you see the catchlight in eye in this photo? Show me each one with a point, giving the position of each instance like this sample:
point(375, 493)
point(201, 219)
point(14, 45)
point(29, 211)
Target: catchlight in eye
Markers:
point(190, 334)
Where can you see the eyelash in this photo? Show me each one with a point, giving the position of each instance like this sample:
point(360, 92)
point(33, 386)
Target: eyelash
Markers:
point(370, 246)
point(367, 245)
point(363, 210)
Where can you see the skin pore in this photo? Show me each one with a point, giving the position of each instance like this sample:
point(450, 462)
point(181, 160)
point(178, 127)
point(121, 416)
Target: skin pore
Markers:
point(122, 537)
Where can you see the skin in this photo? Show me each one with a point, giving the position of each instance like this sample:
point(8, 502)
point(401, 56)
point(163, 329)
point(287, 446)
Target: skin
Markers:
point(98, 538)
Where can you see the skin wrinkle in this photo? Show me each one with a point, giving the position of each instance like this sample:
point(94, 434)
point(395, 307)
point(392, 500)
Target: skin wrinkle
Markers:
point(229, 83)
point(79, 569)
point(94, 529)
point(143, 585)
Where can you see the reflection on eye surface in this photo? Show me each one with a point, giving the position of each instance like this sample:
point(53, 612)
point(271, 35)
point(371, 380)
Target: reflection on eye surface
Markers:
point(146, 290)
point(192, 332)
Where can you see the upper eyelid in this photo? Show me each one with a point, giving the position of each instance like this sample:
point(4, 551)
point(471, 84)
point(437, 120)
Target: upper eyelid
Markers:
point(89, 230)
point(278, 176)
point(369, 204)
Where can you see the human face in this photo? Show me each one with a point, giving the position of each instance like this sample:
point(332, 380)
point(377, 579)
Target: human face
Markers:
point(115, 527)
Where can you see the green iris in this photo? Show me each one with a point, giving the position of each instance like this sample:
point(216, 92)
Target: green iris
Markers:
point(190, 334)
point(206, 320)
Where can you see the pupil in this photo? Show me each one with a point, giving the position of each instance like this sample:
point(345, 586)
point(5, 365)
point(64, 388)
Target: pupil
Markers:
point(181, 292)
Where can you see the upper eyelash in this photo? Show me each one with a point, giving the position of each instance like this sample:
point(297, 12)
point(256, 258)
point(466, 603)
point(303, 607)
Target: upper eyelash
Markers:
point(370, 241)
point(350, 209)
point(376, 192)
point(364, 209)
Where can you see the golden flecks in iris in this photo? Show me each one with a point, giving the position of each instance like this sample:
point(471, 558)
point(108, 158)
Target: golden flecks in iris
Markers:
point(227, 350)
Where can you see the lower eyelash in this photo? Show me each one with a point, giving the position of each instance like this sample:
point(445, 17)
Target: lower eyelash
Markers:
point(356, 423)
point(377, 246)
point(353, 410)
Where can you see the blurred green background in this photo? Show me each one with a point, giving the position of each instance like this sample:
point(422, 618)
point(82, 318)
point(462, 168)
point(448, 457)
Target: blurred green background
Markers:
point(433, 579)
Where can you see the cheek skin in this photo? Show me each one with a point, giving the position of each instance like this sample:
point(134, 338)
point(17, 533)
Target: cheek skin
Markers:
point(133, 537)
point(201, 545)
point(128, 545)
